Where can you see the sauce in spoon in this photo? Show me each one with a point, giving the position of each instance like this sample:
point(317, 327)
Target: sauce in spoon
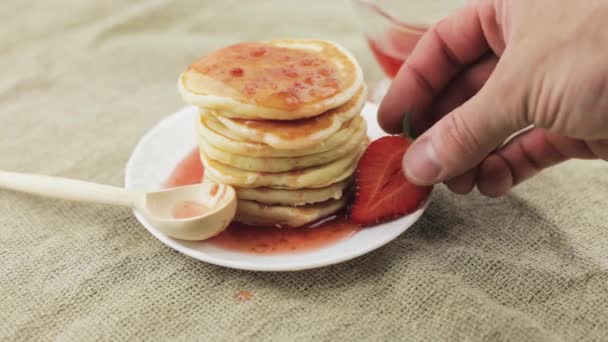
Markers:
point(188, 209)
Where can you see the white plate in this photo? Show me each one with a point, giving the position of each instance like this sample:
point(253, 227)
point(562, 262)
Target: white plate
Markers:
point(173, 138)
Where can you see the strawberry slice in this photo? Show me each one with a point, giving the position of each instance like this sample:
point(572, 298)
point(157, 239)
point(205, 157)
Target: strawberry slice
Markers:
point(383, 192)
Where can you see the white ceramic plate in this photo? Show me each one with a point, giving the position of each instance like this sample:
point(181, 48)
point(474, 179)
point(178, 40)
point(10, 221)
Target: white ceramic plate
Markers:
point(165, 145)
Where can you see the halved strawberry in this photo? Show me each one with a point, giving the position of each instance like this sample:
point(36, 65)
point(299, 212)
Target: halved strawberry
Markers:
point(383, 192)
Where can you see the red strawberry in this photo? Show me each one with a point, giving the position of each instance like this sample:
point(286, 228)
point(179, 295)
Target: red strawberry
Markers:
point(383, 192)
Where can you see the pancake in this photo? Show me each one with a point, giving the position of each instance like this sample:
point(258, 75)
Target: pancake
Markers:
point(258, 214)
point(276, 80)
point(293, 197)
point(220, 137)
point(294, 134)
point(282, 164)
point(312, 177)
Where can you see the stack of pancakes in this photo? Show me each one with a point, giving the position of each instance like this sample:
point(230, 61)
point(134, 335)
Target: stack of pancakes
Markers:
point(280, 121)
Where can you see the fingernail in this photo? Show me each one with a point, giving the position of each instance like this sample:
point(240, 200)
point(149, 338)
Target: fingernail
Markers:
point(421, 164)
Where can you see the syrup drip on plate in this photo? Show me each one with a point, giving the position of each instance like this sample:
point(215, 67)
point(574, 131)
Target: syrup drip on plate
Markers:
point(239, 237)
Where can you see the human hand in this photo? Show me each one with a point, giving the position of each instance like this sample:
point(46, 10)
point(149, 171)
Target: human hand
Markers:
point(492, 69)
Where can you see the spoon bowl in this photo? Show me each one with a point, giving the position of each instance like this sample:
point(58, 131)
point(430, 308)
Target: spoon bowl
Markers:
point(194, 212)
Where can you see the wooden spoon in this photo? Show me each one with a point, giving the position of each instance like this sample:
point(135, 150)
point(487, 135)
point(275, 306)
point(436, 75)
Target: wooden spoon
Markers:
point(206, 208)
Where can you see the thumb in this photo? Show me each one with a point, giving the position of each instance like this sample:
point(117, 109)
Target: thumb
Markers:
point(464, 137)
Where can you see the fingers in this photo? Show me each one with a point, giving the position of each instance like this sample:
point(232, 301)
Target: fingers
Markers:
point(441, 53)
point(495, 177)
point(461, 89)
point(599, 148)
point(522, 158)
point(464, 137)
point(525, 156)
point(464, 183)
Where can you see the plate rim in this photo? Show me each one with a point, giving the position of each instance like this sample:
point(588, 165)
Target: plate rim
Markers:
point(205, 257)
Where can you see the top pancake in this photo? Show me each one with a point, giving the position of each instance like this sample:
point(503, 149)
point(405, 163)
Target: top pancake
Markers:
point(276, 80)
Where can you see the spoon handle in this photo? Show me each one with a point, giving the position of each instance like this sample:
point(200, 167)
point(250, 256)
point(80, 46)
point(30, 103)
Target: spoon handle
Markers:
point(67, 189)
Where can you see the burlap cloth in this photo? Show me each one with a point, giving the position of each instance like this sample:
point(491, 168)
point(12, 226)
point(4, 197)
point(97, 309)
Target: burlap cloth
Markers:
point(81, 81)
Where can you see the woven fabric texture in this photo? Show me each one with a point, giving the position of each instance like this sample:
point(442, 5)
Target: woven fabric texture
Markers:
point(82, 81)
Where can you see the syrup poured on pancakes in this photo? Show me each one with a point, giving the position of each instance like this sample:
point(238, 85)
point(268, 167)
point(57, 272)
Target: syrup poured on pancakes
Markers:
point(272, 76)
point(290, 129)
point(293, 129)
point(265, 240)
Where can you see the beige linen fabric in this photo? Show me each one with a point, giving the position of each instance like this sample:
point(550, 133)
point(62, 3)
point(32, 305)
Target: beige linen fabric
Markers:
point(81, 81)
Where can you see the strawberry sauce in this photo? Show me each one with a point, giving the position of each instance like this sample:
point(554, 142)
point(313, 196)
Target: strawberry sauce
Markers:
point(188, 209)
point(295, 129)
point(265, 240)
point(269, 240)
point(273, 76)
point(187, 172)
point(394, 47)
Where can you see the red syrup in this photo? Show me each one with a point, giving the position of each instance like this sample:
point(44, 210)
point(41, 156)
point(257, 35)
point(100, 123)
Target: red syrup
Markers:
point(394, 47)
point(188, 209)
point(239, 237)
point(270, 240)
point(187, 172)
